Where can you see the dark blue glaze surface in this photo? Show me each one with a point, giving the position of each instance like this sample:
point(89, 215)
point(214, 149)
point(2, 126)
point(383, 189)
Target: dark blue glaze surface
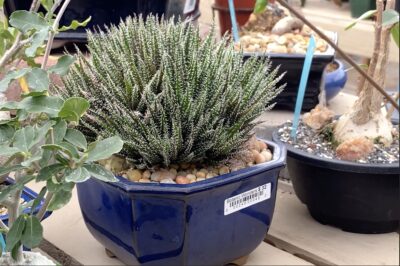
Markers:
point(335, 81)
point(170, 224)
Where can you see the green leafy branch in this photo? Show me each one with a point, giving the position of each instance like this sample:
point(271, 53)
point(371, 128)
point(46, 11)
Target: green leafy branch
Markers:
point(39, 142)
point(390, 18)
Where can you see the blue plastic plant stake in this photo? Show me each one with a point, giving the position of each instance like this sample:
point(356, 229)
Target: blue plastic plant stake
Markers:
point(2, 242)
point(303, 84)
point(235, 31)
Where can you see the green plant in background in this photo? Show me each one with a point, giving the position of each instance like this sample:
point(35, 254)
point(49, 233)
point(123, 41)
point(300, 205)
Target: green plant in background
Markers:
point(171, 97)
point(39, 141)
point(390, 18)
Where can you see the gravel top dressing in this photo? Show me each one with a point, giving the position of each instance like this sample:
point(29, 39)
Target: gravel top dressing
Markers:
point(314, 143)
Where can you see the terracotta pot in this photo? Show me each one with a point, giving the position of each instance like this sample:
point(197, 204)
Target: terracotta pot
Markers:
point(243, 10)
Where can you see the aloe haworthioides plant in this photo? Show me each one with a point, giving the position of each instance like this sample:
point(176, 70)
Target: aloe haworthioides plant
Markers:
point(39, 142)
point(171, 96)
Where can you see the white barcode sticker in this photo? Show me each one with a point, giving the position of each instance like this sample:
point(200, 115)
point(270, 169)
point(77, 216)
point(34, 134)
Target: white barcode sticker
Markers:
point(190, 5)
point(246, 199)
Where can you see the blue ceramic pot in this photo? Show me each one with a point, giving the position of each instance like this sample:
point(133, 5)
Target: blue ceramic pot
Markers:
point(194, 224)
point(335, 81)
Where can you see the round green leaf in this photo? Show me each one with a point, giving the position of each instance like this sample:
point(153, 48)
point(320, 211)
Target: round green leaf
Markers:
point(260, 6)
point(25, 21)
point(15, 233)
point(37, 41)
point(99, 172)
point(77, 175)
point(105, 148)
point(59, 199)
point(76, 138)
point(33, 232)
point(5, 81)
point(76, 105)
point(390, 17)
point(50, 105)
point(62, 66)
point(38, 80)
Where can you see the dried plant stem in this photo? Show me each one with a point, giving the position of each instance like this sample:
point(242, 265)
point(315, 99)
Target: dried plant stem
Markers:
point(361, 112)
point(341, 52)
point(12, 51)
point(18, 43)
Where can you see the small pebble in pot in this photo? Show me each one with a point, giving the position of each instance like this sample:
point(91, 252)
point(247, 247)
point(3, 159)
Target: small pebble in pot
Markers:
point(191, 177)
point(267, 155)
point(223, 170)
point(161, 174)
point(204, 170)
point(200, 179)
point(182, 173)
point(261, 145)
point(146, 174)
point(173, 171)
point(210, 175)
point(134, 174)
point(167, 181)
point(144, 180)
point(260, 159)
point(200, 174)
point(182, 180)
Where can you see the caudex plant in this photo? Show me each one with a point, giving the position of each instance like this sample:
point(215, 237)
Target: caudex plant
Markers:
point(367, 118)
point(366, 122)
point(38, 141)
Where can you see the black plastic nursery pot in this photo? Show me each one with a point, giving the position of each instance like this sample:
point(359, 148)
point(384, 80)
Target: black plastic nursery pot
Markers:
point(211, 222)
point(103, 12)
point(359, 198)
point(292, 64)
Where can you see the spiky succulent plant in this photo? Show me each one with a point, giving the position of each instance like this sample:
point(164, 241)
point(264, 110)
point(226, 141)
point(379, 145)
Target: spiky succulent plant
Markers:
point(171, 96)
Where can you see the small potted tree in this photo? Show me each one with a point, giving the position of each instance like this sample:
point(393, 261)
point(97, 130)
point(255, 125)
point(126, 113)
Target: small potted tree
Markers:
point(354, 159)
point(191, 177)
point(38, 141)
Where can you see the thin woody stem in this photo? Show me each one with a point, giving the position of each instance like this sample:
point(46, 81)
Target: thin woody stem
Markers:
point(44, 207)
point(53, 33)
point(18, 44)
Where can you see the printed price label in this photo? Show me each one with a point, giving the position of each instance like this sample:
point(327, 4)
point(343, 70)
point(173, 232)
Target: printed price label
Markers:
point(246, 199)
point(190, 5)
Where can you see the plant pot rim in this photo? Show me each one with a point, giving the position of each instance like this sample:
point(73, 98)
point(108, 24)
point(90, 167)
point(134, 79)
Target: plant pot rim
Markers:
point(340, 67)
point(348, 166)
point(328, 54)
point(278, 161)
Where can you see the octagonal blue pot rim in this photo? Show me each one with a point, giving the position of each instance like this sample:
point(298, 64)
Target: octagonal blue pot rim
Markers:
point(278, 161)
